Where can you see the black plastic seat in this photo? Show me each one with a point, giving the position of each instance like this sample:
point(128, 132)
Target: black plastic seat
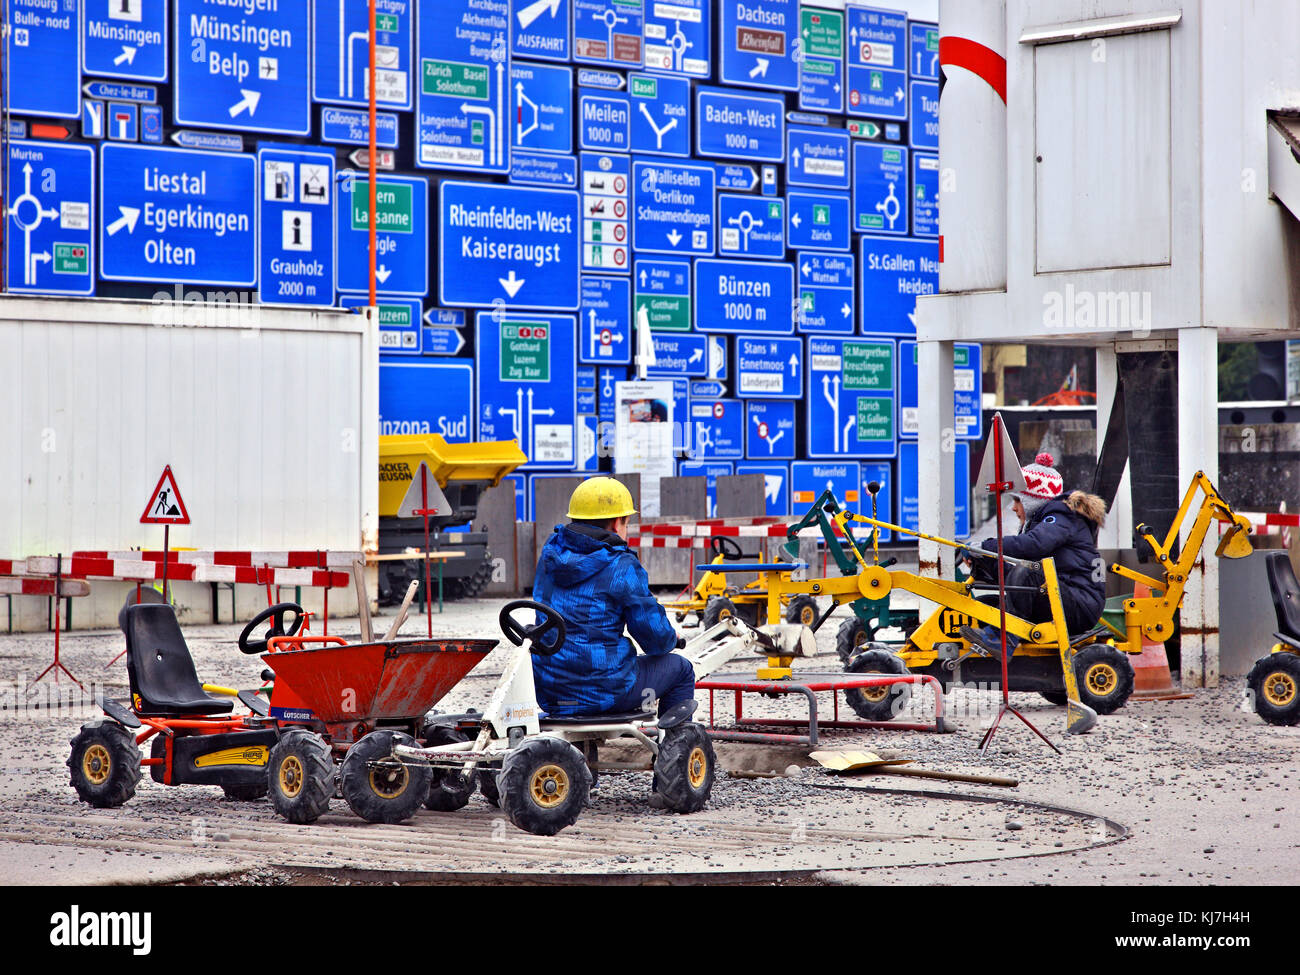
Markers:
point(627, 717)
point(160, 668)
point(1285, 590)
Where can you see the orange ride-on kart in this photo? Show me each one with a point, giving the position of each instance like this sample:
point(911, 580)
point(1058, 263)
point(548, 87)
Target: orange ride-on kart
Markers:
point(337, 703)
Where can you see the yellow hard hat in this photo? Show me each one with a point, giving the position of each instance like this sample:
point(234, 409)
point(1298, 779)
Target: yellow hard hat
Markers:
point(598, 498)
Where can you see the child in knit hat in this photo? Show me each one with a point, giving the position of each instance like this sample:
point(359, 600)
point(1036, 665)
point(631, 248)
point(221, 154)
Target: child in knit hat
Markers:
point(1057, 528)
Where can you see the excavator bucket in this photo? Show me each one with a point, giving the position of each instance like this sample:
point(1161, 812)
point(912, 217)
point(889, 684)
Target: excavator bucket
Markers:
point(1235, 543)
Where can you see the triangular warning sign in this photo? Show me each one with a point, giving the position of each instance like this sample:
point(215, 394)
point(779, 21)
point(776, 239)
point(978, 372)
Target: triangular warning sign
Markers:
point(414, 501)
point(165, 507)
point(1010, 474)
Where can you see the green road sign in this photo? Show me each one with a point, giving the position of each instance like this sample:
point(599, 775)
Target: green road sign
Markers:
point(395, 213)
point(875, 418)
point(868, 365)
point(525, 352)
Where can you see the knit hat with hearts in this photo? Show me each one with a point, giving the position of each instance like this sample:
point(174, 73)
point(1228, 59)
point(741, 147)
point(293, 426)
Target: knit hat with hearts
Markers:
point(1042, 480)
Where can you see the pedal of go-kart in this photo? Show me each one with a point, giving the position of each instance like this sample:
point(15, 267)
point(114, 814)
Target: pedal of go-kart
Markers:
point(255, 702)
point(119, 712)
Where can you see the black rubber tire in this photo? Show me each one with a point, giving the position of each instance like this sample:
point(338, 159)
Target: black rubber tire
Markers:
point(718, 608)
point(245, 793)
point(877, 703)
point(300, 776)
point(104, 764)
point(850, 638)
point(1059, 698)
point(685, 767)
point(1275, 682)
point(467, 586)
point(449, 790)
point(1105, 677)
point(525, 775)
point(487, 784)
point(803, 609)
point(379, 790)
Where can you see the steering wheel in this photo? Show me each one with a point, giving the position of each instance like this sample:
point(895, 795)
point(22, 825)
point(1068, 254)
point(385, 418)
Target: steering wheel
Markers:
point(548, 621)
point(277, 628)
point(726, 547)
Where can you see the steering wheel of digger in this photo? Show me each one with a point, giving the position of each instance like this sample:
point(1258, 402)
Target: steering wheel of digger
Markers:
point(275, 613)
point(726, 547)
point(547, 622)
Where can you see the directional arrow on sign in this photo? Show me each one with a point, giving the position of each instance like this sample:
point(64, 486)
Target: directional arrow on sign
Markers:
point(760, 69)
point(846, 311)
point(674, 237)
point(535, 10)
point(796, 219)
point(129, 215)
point(249, 101)
point(512, 284)
point(794, 364)
point(383, 272)
point(127, 55)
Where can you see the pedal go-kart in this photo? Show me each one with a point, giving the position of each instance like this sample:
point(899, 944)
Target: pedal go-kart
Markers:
point(714, 598)
point(539, 768)
point(333, 710)
point(1275, 678)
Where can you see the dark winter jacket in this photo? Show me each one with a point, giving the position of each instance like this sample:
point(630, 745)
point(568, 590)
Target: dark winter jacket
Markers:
point(1066, 530)
point(593, 580)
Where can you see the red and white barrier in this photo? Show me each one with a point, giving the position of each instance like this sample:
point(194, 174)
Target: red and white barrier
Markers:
point(141, 570)
point(276, 560)
point(1264, 523)
point(28, 586)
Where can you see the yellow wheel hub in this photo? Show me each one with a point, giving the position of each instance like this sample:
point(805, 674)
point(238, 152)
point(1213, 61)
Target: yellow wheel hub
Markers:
point(291, 777)
point(1279, 689)
point(1101, 679)
point(875, 694)
point(807, 616)
point(697, 767)
point(549, 786)
point(389, 780)
point(96, 763)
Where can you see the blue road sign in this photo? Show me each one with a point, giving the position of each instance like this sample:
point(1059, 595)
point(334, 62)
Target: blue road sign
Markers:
point(819, 221)
point(661, 114)
point(462, 112)
point(894, 272)
point(606, 230)
point(923, 132)
point(151, 124)
point(851, 401)
point(242, 66)
point(588, 427)
point(608, 32)
point(882, 474)
point(297, 226)
point(769, 368)
point(350, 127)
point(678, 36)
point(769, 430)
point(422, 396)
point(122, 120)
point(925, 194)
point(538, 169)
point(340, 47)
point(543, 107)
point(125, 39)
point(776, 485)
point(967, 384)
point(442, 341)
point(735, 177)
point(605, 320)
point(605, 121)
point(402, 221)
point(708, 389)
point(909, 498)
point(681, 418)
point(817, 156)
point(749, 297)
point(540, 29)
point(585, 378)
point(736, 126)
point(445, 317)
point(672, 206)
point(607, 378)
point(587, 402)
point(877, 63)
point(663, 290)
point(525, 385)
point(42, 58)
point(710, 471)
point(826, 293)
point(595, 78)
point(923, 43)
point(808, 479)
point(209, 141)
point(680, 354)
point(50, 219)
point(879, 188)
point(718, 429)
point(399, 325)
point(507, 244)
point(716, 349)
point(176, 215)
point(121, 91)
point(751, 226)
point(759, 41)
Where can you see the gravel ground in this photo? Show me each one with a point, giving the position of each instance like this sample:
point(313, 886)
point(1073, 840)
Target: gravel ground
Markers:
point(1208, 793)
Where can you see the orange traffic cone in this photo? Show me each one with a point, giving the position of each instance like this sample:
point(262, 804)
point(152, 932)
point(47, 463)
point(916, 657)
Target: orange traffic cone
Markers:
point(1151, 678)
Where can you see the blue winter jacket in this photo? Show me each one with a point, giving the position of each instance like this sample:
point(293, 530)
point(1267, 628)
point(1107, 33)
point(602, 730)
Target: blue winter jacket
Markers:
point(593, 580)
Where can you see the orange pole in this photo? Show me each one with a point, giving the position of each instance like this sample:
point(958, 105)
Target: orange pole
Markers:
point(374, 237)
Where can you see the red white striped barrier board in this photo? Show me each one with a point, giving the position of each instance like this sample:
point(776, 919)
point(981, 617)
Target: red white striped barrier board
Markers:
point(140, 570)
point(703, 530)
point(13, 567)
point(1272, 520)
point(276, 560)
point(19, 586)
point(659, 541)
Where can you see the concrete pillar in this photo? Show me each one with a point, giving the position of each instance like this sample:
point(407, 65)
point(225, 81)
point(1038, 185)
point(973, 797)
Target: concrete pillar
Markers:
point(936, 448)
point(1198, 450)
point(367, 440)
point(1118, 530)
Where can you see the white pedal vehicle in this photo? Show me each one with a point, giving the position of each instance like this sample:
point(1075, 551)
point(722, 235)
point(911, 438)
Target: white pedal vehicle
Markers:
point(539, 769)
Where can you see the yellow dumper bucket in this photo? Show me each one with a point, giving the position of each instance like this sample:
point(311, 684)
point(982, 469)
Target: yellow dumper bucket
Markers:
point(400, 457)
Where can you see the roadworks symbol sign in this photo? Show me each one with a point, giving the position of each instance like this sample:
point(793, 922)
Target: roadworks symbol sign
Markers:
point(165, 507)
